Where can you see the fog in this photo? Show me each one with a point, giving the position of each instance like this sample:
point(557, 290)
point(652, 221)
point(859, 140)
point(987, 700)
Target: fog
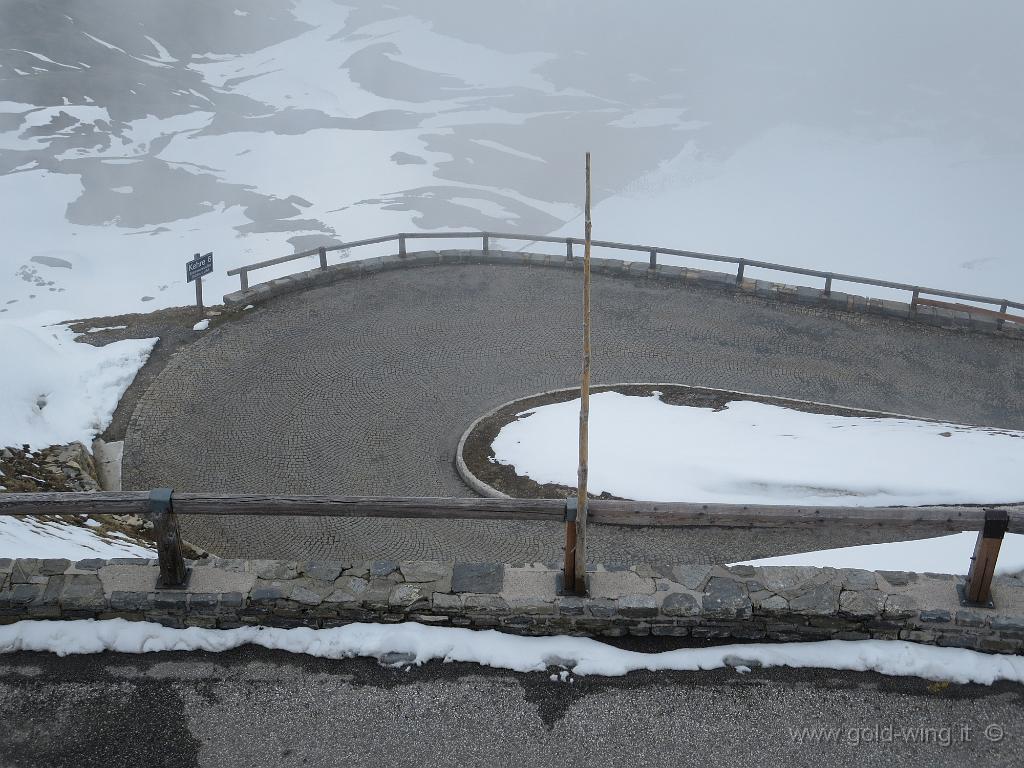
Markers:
point(870, 137)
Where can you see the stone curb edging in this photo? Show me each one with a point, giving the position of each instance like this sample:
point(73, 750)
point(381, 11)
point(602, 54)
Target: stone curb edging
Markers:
point(701, 602)
point(465, 473)
point(489, 491)
point(792, 294)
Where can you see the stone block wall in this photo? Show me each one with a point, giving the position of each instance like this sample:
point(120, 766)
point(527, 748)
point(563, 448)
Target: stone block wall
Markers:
point(701, 602)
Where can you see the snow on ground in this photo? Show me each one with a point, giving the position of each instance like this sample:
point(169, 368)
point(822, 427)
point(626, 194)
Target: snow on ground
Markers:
point(250, 132)
point(919, 190)
point(58, 391)
point(29, 537)
point(754, 453)
point(202, 325)
point(935, 555)
point(582, 656)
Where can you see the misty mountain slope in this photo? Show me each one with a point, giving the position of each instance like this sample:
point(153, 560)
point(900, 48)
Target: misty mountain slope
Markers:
point(860, 137)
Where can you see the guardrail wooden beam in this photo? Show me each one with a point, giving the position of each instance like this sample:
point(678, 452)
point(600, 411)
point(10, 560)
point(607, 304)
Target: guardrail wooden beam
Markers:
point(402, 237)
point(952, 518)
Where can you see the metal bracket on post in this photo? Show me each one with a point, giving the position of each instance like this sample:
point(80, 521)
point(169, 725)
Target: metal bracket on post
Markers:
point(173, 574)
point(977, 589)
point(571, 508)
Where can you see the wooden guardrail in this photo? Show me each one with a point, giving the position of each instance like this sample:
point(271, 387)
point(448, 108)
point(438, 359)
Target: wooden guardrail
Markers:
point(162, 506)
point(916, 291)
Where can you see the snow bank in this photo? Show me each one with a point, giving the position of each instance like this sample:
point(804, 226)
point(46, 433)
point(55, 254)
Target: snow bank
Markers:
point(57, 391)
point(28, 537)
point(753, 453)
point(489, 648)
point(936, 555)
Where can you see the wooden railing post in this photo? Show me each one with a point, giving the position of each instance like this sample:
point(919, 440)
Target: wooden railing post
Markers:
point(828, 285)
point(487, 243)
point(323, 257)
point(739, 272)
point(978, 587)
point(1002, 309)
point(913, 300)
point(569, 563)
point(243, 278)
point(173, 574)
point(401, 245)
point(568, 249)
point(653, 259)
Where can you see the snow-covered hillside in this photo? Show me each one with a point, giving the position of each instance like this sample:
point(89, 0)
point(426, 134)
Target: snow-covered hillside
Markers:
point(866, 137)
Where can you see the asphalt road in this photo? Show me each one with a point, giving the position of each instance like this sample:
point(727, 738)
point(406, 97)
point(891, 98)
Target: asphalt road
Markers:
point(364, 387)
point(252, 707)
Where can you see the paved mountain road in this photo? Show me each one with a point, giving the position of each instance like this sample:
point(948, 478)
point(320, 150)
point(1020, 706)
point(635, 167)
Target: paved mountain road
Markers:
point(252, 707)
point(364, 387)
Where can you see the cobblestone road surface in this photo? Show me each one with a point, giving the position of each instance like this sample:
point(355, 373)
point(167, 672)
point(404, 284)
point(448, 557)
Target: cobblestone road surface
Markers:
point(364, 387)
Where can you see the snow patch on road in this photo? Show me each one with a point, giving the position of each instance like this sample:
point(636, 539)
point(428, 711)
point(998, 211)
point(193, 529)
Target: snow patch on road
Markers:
point(935, 555)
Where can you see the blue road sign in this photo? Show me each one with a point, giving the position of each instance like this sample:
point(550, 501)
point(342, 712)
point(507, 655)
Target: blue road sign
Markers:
point(199, 266)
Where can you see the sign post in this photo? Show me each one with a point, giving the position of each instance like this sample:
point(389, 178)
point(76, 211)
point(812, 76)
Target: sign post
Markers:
point(195, 269)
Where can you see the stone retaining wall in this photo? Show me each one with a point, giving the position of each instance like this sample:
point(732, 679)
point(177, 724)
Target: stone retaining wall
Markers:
point(701, 602)
point(812, 297)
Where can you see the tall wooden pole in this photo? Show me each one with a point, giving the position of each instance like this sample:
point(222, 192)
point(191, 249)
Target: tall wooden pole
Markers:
point(580, 555)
